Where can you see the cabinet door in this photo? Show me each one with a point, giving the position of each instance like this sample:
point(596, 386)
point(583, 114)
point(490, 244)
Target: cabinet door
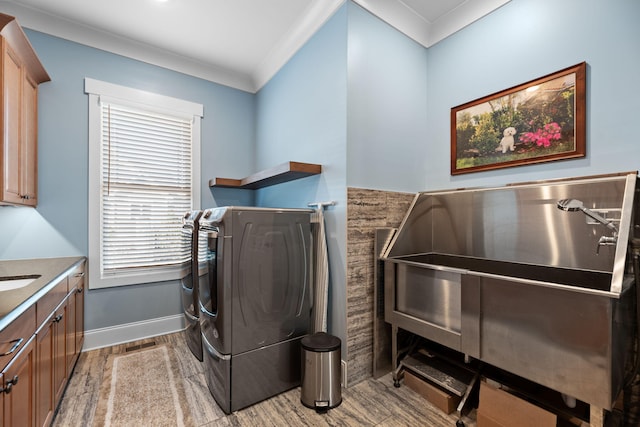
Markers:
point(80, 316)
point(29, 142)
point(11, 111)
point(60, 351)
point(51, 366)
point(44, 371)
point(19, 388)
point(70, 356)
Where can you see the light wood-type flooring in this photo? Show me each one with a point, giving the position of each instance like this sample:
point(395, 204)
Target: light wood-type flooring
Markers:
point(369, 403)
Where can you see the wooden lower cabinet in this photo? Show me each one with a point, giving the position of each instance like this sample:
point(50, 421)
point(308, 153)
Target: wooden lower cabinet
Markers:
point(75, 316)
point(79, 318)
point(51, 365)
point(44, 372)
point(19, 388)
point(33, 381)
point(60, 351)
point(70, 331)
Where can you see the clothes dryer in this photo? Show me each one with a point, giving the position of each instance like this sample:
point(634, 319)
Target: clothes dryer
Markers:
point(255, 301)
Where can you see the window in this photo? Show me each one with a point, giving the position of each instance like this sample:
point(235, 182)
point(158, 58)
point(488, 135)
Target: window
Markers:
point(143, 176)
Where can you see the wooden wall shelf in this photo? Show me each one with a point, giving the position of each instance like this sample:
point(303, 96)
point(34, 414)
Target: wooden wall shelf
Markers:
point(282, 173)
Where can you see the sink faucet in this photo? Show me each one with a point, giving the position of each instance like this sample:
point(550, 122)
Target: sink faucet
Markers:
point(573, 205)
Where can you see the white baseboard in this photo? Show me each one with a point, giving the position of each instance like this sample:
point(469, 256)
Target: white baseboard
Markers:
point(119, 334)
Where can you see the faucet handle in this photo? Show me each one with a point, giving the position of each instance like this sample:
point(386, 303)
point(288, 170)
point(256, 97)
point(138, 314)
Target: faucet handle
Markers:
point(606, 241)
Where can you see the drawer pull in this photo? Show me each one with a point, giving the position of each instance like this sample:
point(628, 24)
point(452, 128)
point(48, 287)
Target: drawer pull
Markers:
point(79, 274)
point(14, 347)
point(79, 290)
point(58, 318)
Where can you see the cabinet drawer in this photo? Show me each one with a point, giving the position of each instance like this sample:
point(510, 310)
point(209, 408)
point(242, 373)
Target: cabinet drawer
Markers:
point(50, 301)
point(76, 276)
point(16, 335)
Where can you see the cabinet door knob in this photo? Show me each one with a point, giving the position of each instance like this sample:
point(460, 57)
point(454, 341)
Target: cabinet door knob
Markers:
point(13, 381)
point(57, 318)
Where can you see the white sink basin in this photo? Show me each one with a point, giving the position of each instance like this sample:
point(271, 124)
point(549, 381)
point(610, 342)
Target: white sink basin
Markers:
point(11, 283)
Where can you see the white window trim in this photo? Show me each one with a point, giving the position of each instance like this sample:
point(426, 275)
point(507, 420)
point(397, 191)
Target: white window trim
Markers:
point(150, 101)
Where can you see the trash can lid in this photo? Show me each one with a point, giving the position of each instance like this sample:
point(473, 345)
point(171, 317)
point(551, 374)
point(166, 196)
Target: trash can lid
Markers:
point(320, 341)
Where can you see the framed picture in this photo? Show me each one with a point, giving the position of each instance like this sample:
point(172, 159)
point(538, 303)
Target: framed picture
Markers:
point(538, 121)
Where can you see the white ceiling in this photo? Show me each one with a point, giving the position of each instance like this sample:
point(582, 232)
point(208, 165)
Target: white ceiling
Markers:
point(238, 43)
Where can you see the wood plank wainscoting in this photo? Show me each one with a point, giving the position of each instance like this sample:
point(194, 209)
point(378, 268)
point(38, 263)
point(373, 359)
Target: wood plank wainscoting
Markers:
point(366, 211)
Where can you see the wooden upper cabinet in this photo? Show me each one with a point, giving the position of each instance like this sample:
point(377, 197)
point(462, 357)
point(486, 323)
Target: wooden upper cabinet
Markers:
point(22, 72)
point(29, 146)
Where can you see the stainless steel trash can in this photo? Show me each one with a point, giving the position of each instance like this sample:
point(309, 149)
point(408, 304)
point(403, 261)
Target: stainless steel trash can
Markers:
point(320, 382)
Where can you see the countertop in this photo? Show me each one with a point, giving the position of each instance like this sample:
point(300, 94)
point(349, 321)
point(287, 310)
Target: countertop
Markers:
point(14, 302)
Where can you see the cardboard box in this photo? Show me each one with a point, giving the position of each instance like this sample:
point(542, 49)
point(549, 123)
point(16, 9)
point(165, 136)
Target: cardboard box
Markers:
point(440, 398)
point(499, 408)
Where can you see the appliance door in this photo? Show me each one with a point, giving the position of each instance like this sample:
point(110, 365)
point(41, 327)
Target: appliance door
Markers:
point(271, 277)
point(188, 231)
point(189, 292)
point(214, 284)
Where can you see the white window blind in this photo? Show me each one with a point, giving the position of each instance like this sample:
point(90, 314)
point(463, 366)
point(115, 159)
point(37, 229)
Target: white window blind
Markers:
point(144, 175)
point(146, 188)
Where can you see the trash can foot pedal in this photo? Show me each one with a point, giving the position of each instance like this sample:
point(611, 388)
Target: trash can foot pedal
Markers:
point(322, 406)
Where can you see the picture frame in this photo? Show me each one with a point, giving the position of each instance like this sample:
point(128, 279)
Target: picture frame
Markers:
point(538, 121)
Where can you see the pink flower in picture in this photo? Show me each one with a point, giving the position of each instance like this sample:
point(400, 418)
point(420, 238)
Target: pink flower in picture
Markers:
point(544, 136)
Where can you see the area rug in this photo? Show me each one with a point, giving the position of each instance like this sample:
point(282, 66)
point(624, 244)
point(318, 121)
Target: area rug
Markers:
point(142, 388)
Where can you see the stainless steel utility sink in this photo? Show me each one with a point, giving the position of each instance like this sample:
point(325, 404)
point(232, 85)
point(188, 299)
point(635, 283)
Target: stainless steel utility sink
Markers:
point(10, 283)
point(509, 276)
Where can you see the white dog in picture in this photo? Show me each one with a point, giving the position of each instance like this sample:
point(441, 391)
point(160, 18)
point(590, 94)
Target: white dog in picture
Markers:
point(507, 142)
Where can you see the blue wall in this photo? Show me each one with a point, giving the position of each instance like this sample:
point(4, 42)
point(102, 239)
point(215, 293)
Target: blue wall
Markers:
point(302, 116)
point(58, 227)
point(527, 39)
point(400, 94)
point(387, 128)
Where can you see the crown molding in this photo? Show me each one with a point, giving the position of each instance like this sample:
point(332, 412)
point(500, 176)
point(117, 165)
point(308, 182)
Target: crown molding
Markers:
point(460, 17)
point(395, 12)
point(400, 16)
point(84, 35)
point(316, 15)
